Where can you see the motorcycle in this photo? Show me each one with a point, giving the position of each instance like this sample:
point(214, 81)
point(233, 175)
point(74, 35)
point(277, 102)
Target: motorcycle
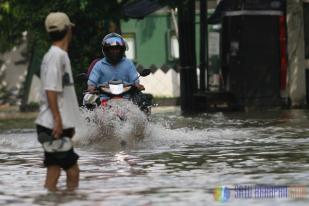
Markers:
point(117, 89)
point(125, 105)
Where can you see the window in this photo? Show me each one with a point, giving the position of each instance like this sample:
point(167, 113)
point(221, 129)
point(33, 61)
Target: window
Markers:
point(173, 45)
point(131, 52)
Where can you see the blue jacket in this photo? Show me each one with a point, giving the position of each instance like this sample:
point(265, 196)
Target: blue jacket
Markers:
point(103, 72)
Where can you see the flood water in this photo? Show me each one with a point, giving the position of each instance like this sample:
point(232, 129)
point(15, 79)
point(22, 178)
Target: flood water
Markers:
point(180, 161)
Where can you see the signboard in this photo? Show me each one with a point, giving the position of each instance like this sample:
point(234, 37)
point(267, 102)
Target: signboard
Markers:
point(213, 43)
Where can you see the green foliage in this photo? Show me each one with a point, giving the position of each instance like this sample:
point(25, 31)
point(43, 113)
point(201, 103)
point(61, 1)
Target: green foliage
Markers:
point(91, 18)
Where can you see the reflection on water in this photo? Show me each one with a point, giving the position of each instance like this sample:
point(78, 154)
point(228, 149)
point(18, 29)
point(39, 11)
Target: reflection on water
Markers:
point(180, 161)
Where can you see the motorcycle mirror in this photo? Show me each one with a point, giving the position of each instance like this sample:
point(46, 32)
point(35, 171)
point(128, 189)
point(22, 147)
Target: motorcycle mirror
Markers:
point(145, 72)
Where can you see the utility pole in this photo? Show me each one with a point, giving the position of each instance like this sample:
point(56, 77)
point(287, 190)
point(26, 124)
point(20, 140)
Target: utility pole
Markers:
point(188, 77)
point(204, 43)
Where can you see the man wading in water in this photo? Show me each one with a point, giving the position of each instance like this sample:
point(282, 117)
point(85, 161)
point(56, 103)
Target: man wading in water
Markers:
point(59, 106)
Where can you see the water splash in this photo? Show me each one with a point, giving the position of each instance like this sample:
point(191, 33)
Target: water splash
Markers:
point(119, 122)
point(104, 129)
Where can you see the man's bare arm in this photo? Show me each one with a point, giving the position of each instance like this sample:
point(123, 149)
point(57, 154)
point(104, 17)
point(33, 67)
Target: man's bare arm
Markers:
point(53, 105)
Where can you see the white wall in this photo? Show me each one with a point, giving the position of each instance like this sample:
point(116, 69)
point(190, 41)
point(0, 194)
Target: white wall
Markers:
point(35, 90)
point(14, 71)
point(15, 74)
point(161, 84)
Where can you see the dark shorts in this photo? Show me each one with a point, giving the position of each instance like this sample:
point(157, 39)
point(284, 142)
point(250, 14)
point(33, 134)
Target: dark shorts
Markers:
point(65, 160)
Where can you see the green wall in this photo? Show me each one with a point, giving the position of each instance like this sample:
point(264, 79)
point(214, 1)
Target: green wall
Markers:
point(150, 37)
point(152, 42)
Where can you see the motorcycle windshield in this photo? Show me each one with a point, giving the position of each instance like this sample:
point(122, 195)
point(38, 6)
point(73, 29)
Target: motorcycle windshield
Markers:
point(116, 88)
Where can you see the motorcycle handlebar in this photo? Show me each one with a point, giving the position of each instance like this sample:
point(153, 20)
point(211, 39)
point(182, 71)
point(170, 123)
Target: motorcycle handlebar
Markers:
point(124, 85)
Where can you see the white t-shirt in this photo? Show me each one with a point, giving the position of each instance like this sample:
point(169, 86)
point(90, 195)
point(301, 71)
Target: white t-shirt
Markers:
point(55, 65)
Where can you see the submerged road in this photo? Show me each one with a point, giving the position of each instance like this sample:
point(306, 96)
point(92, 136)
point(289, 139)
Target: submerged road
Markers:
point(255, 158)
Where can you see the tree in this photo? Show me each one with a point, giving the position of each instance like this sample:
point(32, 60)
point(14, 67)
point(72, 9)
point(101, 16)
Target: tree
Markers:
point(92, 19)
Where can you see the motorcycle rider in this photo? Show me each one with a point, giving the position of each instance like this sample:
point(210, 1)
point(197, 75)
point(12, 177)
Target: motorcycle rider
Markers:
point(114, 65)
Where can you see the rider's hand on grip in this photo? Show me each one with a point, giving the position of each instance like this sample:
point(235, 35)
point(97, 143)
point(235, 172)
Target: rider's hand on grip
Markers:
point(140, 87)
